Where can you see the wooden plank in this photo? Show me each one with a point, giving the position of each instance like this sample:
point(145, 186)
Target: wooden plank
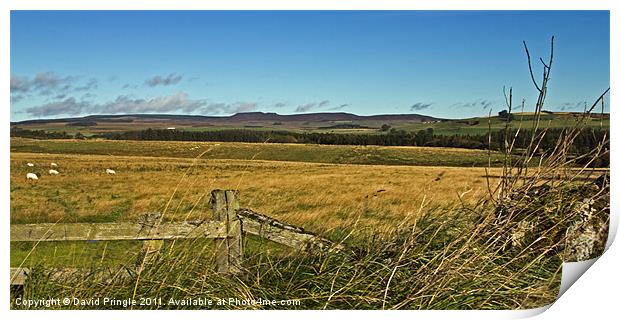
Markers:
point(19, 276)
point(276, 231)
point(117, 231)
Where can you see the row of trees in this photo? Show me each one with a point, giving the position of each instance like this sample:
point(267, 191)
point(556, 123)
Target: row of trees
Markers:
point(392, 138)
point(40, 134)
point(584, 142)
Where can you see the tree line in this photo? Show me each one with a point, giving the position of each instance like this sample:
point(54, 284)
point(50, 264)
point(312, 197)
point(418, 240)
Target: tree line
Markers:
point(587, 139)
point(40, 134)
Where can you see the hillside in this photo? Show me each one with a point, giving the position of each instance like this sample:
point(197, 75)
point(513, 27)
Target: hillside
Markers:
point(347, 122)
point(337, 122)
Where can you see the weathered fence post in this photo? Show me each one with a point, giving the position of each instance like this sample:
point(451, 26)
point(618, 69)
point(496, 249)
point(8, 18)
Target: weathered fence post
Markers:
point(229, 250)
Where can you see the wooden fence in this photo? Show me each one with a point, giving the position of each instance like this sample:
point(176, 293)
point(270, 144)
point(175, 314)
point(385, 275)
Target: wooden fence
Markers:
point(227, 229)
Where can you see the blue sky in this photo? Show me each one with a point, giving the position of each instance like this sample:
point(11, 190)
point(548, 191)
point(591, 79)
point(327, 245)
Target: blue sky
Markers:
point(450, 64)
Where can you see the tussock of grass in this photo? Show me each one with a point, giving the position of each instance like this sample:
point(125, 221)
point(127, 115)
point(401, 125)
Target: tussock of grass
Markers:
point(436, 263)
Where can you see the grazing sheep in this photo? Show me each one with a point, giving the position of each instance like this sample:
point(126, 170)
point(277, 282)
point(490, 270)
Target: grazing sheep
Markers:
point(31, 176)
point(30, 164)
point(110, 171)
point(54, 172)
point(53, 164)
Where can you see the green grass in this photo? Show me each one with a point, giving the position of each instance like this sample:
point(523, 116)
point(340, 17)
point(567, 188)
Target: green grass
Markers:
point(373, 155)
point(454, 127)
point(435, 265)
point(95, 254)
point(78, 254)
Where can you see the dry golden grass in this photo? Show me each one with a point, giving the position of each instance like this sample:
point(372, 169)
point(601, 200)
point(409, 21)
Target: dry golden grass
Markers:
point(319, 197)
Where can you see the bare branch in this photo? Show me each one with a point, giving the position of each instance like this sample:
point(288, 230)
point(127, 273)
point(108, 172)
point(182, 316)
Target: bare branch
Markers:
point(506, 96)
point(529, 64)
point(551, 54)
point(543, 62)
point(597, 100)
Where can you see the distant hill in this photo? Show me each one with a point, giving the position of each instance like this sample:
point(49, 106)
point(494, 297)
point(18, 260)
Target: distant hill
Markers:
point(335, 122)
point(339, 121)
point(239, 118)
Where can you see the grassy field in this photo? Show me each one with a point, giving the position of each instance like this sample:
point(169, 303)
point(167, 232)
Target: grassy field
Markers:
point(480, 125)
point(417, 219)
point(426, 221)
point(373, 155)
point(326, 196)
point(316, 187)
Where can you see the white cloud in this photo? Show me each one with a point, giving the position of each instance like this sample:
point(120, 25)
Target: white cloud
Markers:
point(163, 80)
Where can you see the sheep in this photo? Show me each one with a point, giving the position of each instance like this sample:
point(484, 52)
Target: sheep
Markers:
point(30, 164)
point(110, 171)
point(31, 176)
point(53, 164)
point(54, 172)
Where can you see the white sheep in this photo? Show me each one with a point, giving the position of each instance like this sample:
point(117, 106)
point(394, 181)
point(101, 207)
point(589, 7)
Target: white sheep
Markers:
point(110, 171)
point(31, 176)
point(54, 172)
point(30, 164)
point(53, 164)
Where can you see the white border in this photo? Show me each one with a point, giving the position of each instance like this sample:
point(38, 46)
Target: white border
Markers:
point(594, 295)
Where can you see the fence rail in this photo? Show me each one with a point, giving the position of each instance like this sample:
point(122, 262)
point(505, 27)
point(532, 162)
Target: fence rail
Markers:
point(104, 275)
point(117, 231)
point(227, 228)
point(286, 234)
